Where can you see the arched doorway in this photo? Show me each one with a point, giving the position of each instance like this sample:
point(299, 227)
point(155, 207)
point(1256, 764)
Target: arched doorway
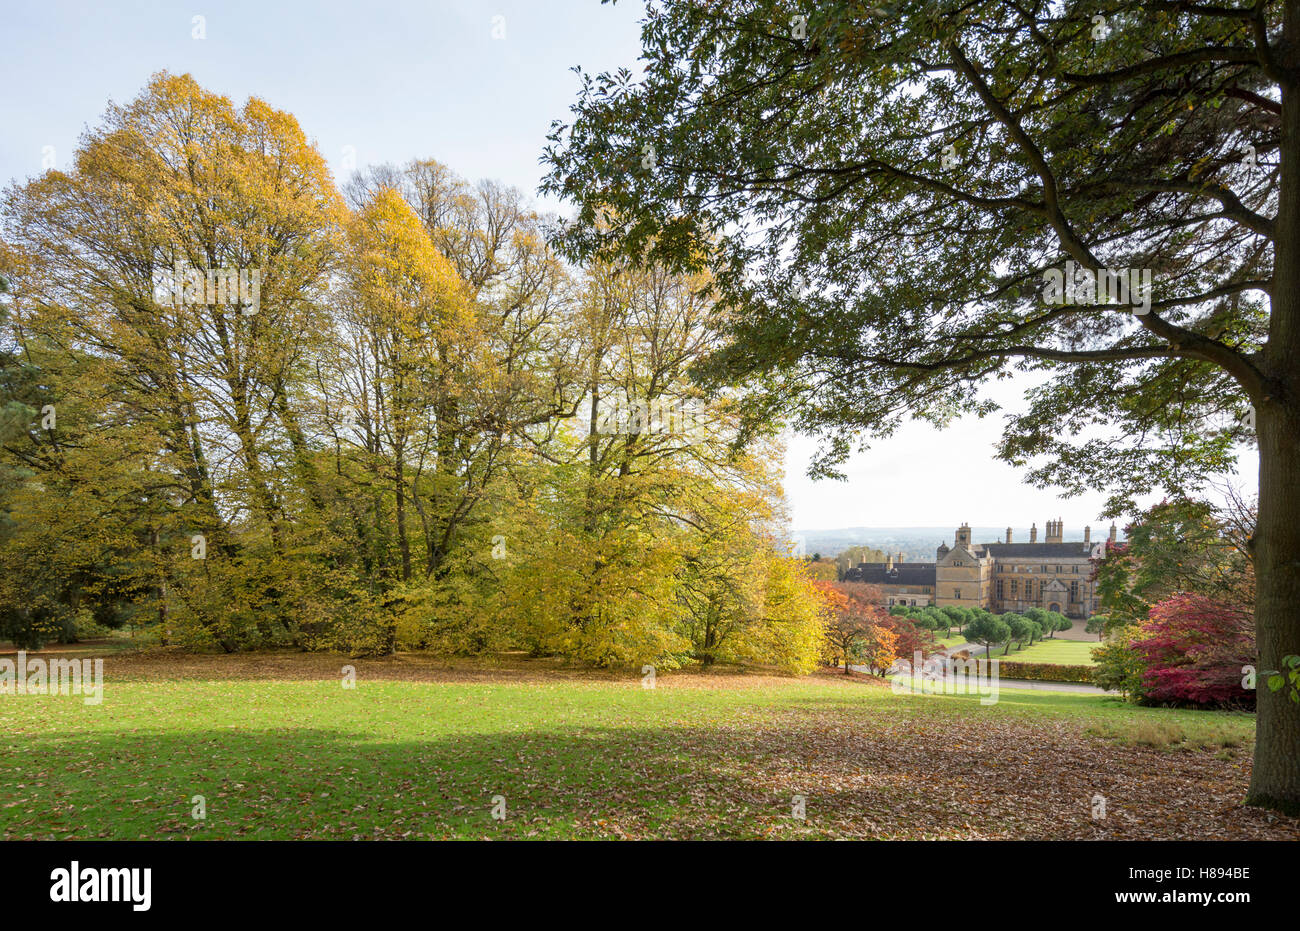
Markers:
point(1054, 606)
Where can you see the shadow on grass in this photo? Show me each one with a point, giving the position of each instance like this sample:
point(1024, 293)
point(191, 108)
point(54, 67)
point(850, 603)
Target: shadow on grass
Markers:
point(869, 778)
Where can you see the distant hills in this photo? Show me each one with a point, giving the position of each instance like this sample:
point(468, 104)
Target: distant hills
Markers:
point(919, 543)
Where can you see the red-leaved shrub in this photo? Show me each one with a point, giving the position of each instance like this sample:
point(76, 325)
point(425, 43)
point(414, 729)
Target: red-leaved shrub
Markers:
point(1195, 649)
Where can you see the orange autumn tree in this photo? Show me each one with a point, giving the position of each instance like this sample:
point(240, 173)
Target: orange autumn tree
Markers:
point(880, 649)
point(856, 631)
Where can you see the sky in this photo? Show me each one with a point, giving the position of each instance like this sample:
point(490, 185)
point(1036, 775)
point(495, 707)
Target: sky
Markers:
point(476, 86)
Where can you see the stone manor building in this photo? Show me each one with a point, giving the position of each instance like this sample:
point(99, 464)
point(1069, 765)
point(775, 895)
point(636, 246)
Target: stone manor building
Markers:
point(1005, 576)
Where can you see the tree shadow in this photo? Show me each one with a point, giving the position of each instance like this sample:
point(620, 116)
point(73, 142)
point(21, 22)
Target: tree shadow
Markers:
point(878, 777)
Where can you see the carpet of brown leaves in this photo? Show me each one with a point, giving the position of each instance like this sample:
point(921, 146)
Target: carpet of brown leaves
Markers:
point(922, 777)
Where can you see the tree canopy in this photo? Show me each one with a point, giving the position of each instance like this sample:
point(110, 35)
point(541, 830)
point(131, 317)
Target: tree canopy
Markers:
point(901, 201)
point(242, 408)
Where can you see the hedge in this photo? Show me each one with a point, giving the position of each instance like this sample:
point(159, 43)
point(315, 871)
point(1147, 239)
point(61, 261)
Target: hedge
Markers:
point(1047, 672)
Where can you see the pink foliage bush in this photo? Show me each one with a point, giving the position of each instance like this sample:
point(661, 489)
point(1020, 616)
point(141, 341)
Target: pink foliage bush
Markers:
point(1194, 649)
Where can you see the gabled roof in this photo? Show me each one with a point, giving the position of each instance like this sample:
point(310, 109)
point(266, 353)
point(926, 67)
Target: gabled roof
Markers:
point(973, 550)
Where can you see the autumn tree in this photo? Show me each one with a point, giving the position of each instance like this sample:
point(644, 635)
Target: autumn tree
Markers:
point(660, 540)
point(880, 648)
point(501, 381)
point(909, 639)
point(243, 411)
point(177, 267)
point(853, 618)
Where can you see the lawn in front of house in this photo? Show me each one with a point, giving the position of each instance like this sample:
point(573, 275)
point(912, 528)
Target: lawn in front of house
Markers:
point(1051, 650)
point(277, 747)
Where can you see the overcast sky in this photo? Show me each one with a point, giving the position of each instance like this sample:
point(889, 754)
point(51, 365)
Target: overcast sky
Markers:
point(392, 81)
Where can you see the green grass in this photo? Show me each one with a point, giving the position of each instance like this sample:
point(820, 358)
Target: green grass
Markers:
point(573, 759)
point(1062, 652)
point(1172, 734)
point(955, 640)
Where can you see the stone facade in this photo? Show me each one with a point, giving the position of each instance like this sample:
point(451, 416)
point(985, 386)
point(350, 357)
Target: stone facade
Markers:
point(1006, 576)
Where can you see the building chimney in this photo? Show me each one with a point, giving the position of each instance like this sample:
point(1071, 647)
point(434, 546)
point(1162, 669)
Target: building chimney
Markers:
point(900, 558)
point(1087, 534)
point(889, 563)
point(1033, 533)
point(1008, 534)
point(1055, 530)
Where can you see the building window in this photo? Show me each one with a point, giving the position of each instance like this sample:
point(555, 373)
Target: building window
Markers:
point(1074, 591)
point(1015, 587)
point(913, 602)
point(956, 593)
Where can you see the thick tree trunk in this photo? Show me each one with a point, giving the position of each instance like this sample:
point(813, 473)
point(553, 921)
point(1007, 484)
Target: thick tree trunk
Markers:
point(1275, 779)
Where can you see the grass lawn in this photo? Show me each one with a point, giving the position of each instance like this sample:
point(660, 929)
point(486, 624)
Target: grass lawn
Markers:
point(1063, 652)
point(955, 640)
point(420, 747)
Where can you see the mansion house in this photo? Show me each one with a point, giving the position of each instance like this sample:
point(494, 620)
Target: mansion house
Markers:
point(1008, 576)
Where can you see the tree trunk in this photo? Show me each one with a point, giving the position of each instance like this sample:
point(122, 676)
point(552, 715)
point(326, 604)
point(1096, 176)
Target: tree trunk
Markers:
point(403, 540)
point(1275, 778)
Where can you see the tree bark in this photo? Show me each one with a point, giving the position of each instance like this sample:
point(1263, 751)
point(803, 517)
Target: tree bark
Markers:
point(403, 540)
point(1275, 777)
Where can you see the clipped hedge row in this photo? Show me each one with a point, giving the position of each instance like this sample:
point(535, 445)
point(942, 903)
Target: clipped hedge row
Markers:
point(1047, 672)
